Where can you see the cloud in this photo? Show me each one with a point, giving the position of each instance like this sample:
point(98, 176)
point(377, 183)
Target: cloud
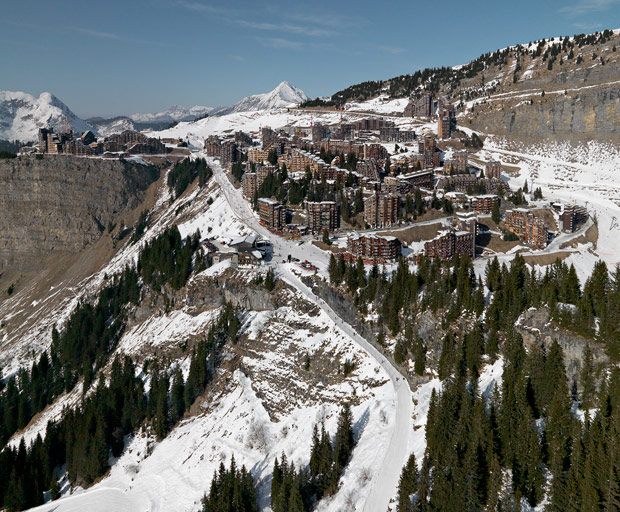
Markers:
point(394, 50)
point(111, 36)
point(281, 43)
point(205, 8)
point(98, 34)
point(286, 27)
point(588, 6)
point(238, 58)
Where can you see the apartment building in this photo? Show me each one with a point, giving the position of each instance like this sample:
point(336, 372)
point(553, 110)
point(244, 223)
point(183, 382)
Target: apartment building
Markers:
point(368, 169)
point(485, 203)
point(319, 132)
point(271, 213)
point(229, 152)
point(268, 136)
point(381, 210)
point(395, 134)
point(572, 216)
point(419, 179)
point(459, 161)
point(374, 248)
point(444, 129)
point(322, 215)
point(448, 244)
point(420, 107)
point(249, 185)
point(493, 169)
point(527, 226)
point(213, 146)
point(299, 160)
point(257, 155)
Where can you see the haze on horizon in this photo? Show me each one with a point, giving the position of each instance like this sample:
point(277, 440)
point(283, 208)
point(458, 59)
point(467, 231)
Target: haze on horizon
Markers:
point(118, 58)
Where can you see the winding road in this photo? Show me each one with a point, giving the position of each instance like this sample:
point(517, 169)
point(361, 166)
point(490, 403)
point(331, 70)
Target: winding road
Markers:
point(386, 475)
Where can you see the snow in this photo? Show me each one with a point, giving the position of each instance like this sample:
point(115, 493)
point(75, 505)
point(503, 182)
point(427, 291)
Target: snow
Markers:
point(174, 474)
point(173, 114)
point(22, 114)
point(284, 95)
point(382, 104)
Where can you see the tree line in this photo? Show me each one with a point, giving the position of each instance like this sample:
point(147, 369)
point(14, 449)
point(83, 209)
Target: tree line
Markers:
point(85, 437)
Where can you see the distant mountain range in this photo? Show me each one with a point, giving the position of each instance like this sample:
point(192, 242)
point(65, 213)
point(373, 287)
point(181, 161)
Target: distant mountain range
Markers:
point(22, 114)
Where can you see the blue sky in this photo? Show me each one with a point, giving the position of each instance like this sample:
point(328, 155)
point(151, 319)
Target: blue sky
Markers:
point(119, 57)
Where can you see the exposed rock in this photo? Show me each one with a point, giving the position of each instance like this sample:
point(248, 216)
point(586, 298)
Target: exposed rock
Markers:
point(60, 204)
point(537, 328)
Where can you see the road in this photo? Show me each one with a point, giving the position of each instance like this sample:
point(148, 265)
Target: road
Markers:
point(385, 479)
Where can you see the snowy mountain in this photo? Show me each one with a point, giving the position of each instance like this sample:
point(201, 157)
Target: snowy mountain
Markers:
point(283, 96)
point(22, 114)
point(173, 114)
point(106, 127)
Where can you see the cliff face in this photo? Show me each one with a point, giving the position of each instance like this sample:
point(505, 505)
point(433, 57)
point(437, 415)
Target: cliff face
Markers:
point(577, 97)
point(61, 204)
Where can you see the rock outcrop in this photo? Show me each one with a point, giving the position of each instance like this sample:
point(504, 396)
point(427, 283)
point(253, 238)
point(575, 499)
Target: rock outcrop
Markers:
point(60, 204)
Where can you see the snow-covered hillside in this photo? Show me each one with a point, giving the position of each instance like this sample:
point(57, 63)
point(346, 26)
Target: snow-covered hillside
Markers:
point(283, 96)
point(173, 114)
point(261, 406)
point(22, 114)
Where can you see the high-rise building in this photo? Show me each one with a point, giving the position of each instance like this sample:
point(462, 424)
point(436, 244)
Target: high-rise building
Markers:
point(374, 248)
point(271, 213)
point(381, 210)
point(322, 215)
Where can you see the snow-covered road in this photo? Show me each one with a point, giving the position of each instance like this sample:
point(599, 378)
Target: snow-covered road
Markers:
point(389, 464)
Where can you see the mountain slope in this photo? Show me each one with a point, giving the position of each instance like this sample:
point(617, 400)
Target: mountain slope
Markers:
point(173, 114)
point(22, 114)
point(561, 87)
point(284, 95)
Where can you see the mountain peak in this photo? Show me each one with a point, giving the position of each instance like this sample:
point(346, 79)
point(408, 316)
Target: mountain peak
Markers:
point(284, 95)
point(22, 114)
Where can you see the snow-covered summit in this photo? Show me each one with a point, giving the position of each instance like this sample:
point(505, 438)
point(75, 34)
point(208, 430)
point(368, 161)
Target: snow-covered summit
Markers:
point(22, 114)
point(283, 96)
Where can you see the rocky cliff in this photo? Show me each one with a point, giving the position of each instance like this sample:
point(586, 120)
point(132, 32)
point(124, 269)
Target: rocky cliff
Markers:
point(61, 204)
point(576, 96)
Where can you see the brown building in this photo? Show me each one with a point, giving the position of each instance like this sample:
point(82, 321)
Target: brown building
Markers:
point(258, 156)
point(271, 213)
point(420, 107)
point(395, 134)
point(420, 179)
point(297, 160)
point(268, 136)
point(249, 185)
point(428, 150)
point(375, 151)
point(381, 210)
point(322, 215)
point(451, 243)
point(493, 169)
point(443, 125)
point(459, 161)
point(529, 228)
point(374, 248)
point(572, 216)
point(229, 152)
point(319, 132)
point(485, 203)
point(369, 169)
point(213, 145)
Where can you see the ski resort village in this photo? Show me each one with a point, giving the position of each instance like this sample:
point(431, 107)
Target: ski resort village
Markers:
point(400, 297)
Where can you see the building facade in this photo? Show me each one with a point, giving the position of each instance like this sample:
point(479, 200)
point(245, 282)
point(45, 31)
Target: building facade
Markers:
point(320, 216)
point(374, 248)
